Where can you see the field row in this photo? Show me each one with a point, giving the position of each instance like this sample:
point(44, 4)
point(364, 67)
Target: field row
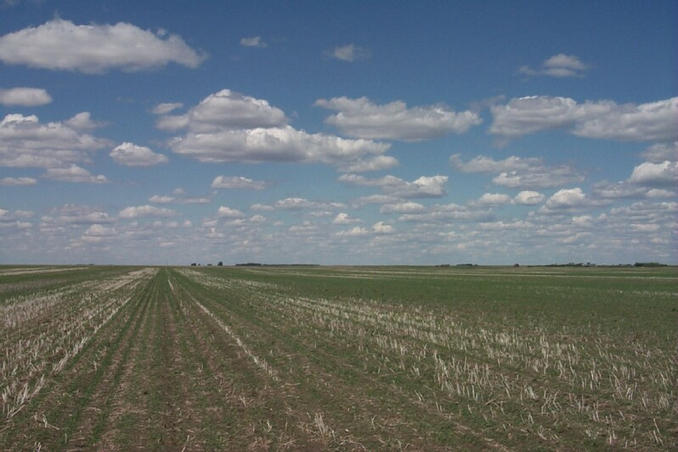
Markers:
point(220, 358)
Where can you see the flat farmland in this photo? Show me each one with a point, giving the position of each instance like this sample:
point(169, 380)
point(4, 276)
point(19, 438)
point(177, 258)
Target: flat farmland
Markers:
point(347, 358)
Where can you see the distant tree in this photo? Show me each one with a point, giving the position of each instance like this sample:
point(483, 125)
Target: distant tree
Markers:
point(220, 264)
point(193, 264)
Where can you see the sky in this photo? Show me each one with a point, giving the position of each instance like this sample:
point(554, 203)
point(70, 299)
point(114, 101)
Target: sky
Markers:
point(172, 132)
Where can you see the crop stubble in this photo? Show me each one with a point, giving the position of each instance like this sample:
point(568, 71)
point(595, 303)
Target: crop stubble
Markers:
point(346, 358)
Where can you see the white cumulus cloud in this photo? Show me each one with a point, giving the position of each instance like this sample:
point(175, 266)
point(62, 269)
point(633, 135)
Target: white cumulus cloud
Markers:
point(130, 154)
point(83, 121)
point(295, 203)
point(402, 207)
point(25, 97)
point(145, 211)
point(26, 142)
point(241, 182)
point(98, 233)
point(362, 118)
point(160, 199)
point(654, 121)
point(378, 163)
point(230, 127)
point(274, 144)
point(17, 181)
point(75, 214)
point(423, 187)
point(659, 152)
point(62, 45)
point(382, 228)
point(166, 107)
point(519, 172)
point(493, 199)
point(356, 231)
point(344, 218)
point(528, 198)
point(648, 173)
point(567, 198)
point(349, 53)
point(226, 110)
point(253, 41)
point(228, 212)
point(74, 173)
point(560, 65)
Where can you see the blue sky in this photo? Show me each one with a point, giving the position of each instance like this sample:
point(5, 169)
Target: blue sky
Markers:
point(338, 132)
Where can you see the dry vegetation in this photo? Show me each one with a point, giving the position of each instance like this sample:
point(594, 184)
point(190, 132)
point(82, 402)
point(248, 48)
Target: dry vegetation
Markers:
point(346, 358)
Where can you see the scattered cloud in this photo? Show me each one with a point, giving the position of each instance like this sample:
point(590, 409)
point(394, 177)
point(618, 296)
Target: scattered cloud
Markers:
point(303, 203)
point(17, 181)
point(25, 142)
point(378, 163)
point(402, 207)
point(194, 200)
point(130, 154)
point(74, 173)
point(344, 218)
point(493, 199)
point(226, 110)
point(14, 221)
point(560, 65)
point(504, 226)
point(94, 49)
point(145, 211)
point(228, 212)
point(423, 187)
point(24, 97)
point(567, 199)
point(526, 115)
point(382, 228)
point(654, 121)
point(449, 212)
point(254, 41)
point(653, 174)
point(349, 53)
point(528, 198)
point(83, 121)
point(362, 118)
point(230, 182)
point(179, 198)
point(98, 233)
point(661, 193)
point(536, 179)
point(657, 153)
point(166, 107)
point(78, 215)
point(159, 199)
point(519, 172)
point(650, 179)
point(231, 127)
point(261, 207)
point(619, 190)
point(280, 144)
point(357, 231)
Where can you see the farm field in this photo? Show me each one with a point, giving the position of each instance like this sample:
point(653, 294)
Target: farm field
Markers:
point(349, 358)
